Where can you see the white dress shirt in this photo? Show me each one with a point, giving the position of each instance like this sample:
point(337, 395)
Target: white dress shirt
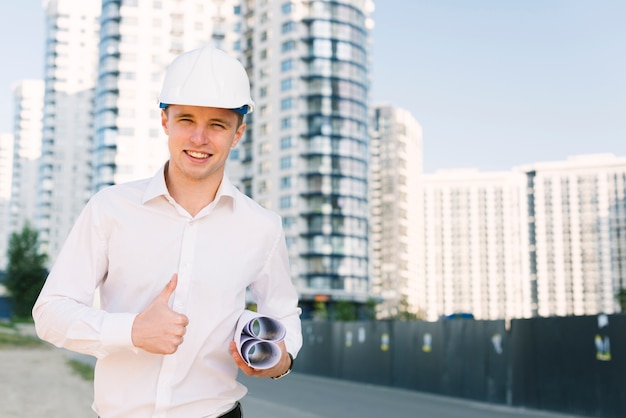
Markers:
point(128, 242)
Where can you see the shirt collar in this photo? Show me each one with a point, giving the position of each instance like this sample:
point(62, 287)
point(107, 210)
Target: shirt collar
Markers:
point(157, 187)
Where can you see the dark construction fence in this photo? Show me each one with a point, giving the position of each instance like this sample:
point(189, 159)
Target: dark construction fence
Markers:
point(573, 365)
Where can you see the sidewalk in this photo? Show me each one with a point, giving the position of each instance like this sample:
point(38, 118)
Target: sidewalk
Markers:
point(38, 382)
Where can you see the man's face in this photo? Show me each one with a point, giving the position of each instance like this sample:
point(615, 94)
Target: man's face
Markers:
point(200, 139)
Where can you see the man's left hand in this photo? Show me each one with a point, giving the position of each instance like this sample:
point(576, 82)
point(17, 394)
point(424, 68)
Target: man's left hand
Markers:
point(280, 368)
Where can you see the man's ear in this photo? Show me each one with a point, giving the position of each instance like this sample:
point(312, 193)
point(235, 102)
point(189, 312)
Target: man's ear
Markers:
point(164, 121)
point(238, 135)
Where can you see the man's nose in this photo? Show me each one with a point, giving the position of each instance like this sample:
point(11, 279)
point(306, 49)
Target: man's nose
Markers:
point(200, 135)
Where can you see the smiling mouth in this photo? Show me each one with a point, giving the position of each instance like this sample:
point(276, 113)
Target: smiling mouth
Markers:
point(198, 155)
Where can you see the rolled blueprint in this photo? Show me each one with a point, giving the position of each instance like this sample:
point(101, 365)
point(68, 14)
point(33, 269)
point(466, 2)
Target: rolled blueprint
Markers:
point(256, 337)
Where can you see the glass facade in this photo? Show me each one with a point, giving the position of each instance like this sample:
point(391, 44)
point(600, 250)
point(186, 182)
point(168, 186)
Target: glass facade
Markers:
point(334, 152)
point(65, 170)
point(107, 93)
point(308, 65)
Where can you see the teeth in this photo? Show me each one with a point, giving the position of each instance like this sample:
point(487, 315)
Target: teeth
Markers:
point(195, 154)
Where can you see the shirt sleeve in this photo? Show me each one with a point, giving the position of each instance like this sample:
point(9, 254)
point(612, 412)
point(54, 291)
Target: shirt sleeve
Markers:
point(276, 296)
point(64, 312)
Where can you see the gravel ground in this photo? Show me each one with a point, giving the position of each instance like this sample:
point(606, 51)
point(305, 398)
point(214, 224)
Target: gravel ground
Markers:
point(39, 382)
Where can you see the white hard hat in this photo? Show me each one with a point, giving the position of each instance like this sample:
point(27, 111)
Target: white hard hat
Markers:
point(207, 77)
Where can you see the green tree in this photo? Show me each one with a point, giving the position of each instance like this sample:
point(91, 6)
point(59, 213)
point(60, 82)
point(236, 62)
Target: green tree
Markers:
point(368, 310)
point(320, 312)
point(344, 310)
point(26, 272)
point(404, 312)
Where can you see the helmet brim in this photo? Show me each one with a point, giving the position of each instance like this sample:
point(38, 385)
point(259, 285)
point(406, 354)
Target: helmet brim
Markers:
point(243, 110)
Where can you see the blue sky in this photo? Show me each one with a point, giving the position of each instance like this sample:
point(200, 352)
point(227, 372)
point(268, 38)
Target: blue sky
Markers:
point(493, 83)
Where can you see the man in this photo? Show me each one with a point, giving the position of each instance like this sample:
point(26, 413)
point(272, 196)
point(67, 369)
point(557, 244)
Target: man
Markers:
point(172, 257)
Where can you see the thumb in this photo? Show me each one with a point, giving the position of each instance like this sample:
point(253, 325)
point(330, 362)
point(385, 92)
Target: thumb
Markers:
point(167, 291)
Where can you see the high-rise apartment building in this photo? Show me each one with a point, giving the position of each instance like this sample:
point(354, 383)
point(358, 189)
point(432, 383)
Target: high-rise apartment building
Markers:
point(6, 174)
point(396, 220)
point(138, 39)
point(577, 234)
point(475, 245)
point(27, 119)
point(71, 57)
point(546, 239)
point(104, 66)
point(305, 155)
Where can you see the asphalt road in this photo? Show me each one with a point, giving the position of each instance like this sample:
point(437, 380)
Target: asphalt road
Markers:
point(305, 396)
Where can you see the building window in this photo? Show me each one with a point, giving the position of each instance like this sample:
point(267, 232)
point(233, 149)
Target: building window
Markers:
point(286, 84)
point(287, 27)
point(286, 7)
point(285, 182)
point(287, 46)
point(264, 167)
point(264, 148)
point(285, 162)
point(286, 103)
point(285, 142)
point(285, 202)
point(288, 222)
point(234, 154)
point(285, 123)
point(286, 65)
point(237, 10)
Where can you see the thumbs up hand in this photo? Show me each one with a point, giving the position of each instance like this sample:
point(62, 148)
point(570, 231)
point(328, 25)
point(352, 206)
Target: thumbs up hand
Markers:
point(159, 329)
